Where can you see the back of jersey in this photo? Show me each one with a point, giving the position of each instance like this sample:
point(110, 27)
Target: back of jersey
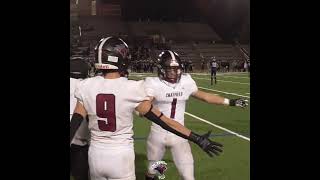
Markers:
point(109, 104)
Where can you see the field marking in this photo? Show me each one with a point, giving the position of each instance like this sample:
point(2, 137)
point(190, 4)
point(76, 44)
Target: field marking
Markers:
point(223, 75)
point(234, 77)
point(154, 75)
point(225, 92)
point(203, 74)
point(222, 81)
point(217, 126)
point(141, 75)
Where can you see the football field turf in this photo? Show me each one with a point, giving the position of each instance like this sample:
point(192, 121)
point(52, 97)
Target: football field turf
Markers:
point(230, 126)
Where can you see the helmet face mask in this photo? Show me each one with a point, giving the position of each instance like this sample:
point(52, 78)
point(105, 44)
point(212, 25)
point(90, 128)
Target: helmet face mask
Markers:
point(170, 66)
point(172, 74)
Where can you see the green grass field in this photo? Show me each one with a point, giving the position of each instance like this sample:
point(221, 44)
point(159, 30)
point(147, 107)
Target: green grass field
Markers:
point(234, 162)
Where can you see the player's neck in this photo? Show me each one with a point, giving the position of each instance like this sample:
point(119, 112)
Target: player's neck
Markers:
point(112, 75)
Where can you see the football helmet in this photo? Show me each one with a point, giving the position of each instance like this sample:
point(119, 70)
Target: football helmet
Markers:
point(112, 53)
point(79, 68)
point(170, 66)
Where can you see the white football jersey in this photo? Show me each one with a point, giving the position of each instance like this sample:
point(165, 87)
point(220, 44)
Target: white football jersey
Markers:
point(214, 64)
point(110, 104)
point(82, 135)
point(245, 65)
point(170, 98)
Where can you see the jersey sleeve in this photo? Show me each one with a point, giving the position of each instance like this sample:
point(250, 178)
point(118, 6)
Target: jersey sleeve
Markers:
point(79, 94)
point(149, 87)
point(138, 93)
point(192, 86)
point(73, 100)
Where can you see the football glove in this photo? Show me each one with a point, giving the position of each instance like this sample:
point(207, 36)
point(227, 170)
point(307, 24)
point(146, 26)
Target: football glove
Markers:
point(206, 144)
point(239, 102)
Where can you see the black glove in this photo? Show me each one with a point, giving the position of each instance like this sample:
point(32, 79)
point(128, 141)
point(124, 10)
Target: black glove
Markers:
point(239, 102)
point(205, 143)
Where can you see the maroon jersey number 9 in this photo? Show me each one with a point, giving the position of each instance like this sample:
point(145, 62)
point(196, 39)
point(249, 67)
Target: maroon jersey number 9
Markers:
point(105, 108)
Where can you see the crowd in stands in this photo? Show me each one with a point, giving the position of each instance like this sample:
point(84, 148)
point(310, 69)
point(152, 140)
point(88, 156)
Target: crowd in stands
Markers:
point(144, 53)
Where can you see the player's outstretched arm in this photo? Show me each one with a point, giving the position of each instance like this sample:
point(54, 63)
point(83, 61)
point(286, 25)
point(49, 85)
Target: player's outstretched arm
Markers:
point(215, 99)
point(78, 115)
point(145, 108)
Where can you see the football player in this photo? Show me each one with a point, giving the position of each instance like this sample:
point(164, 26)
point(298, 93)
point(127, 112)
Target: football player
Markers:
point(109, 102)
point(169, 92)
point(213, 65)
point(79, 167)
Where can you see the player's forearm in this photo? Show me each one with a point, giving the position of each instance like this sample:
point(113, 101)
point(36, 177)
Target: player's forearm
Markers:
point(176, 126)
point(214, 99)
point(143, 108)
point(75, 123)
point(166, 123)
point(79, 109)
point(211, 98)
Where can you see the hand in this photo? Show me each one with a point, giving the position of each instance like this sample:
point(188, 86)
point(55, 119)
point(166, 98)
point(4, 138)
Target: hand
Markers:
point(239, 102)
point(206, 144)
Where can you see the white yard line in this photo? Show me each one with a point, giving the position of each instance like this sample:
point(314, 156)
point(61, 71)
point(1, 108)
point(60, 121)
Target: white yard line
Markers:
point(220, 74)
point(235, 94)
point(223, 75)
point(202, 74)
point(217, 126)
point(225, 92)
point(234, 77)
point(221, 81)
point(140, 73)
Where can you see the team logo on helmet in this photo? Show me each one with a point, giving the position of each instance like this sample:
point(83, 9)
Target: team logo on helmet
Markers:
point(122, 49)
point(112, 53)
point(159, 167)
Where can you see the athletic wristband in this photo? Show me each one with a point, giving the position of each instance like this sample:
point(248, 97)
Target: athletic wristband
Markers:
point(226, 101)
